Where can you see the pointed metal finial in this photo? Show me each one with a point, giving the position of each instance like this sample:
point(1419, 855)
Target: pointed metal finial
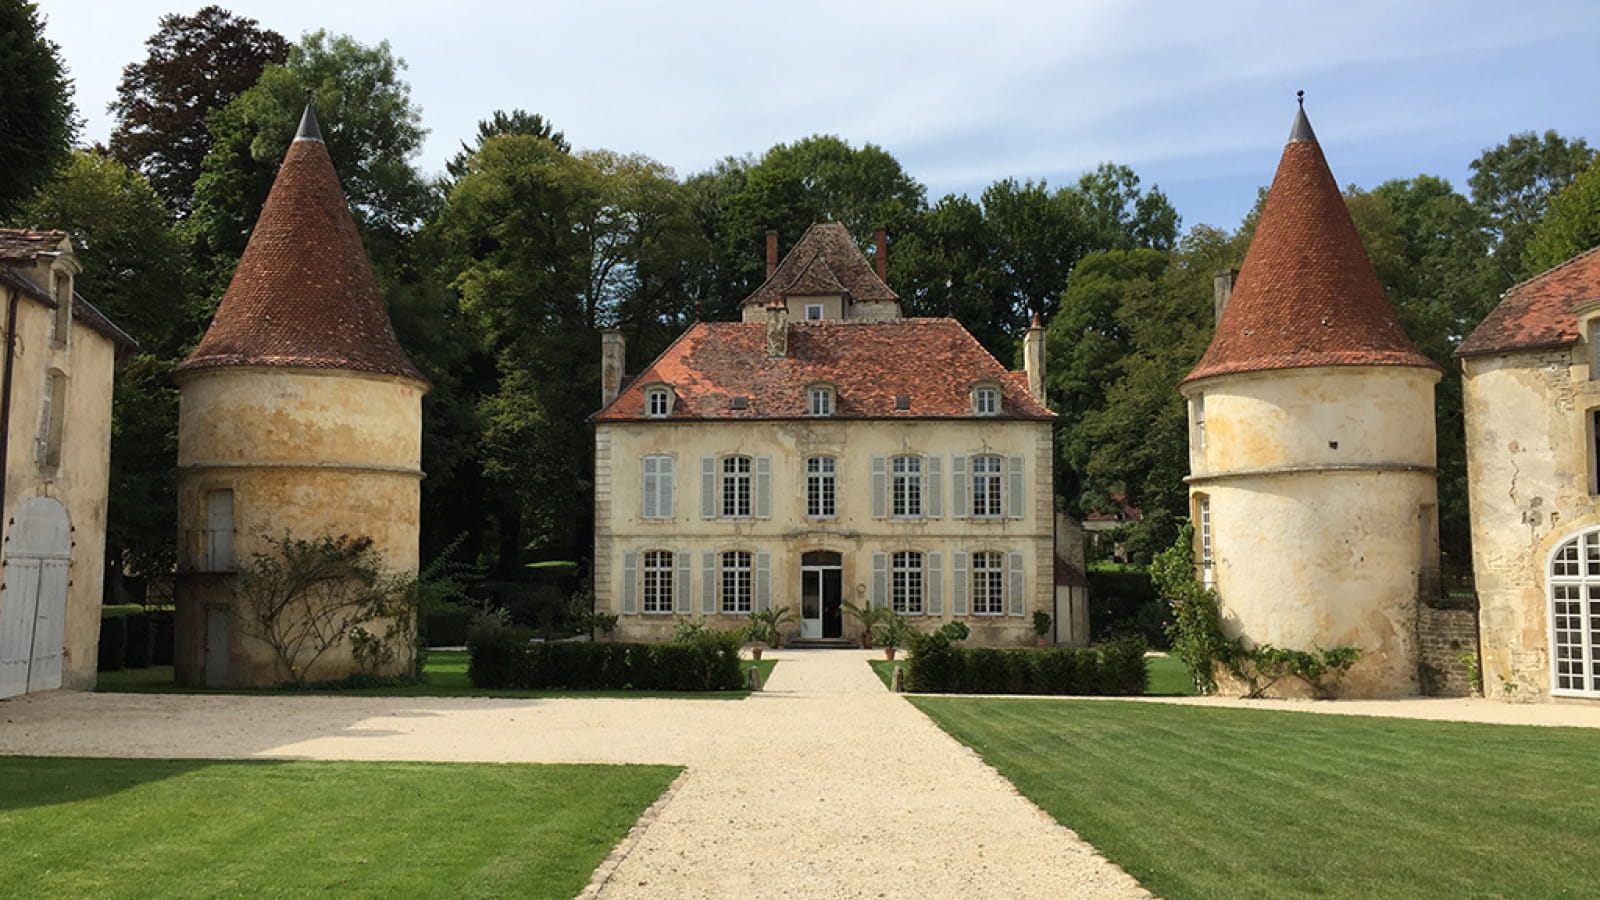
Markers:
point(308, 123)
point(1302, 126)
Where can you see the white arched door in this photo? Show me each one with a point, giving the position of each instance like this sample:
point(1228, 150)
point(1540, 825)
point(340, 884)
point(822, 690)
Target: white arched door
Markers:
point(1575, 617)
point(33, 605)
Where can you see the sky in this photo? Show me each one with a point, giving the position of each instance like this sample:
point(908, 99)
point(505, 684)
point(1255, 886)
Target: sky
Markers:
point(1196, 97)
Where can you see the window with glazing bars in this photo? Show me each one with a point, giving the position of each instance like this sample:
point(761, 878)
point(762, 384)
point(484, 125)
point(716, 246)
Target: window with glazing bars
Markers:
point(820, 487)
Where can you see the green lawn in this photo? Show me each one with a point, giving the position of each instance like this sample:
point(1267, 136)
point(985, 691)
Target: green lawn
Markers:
point(112, 828)
point(445, 673)
point(1167, 675)
point(1223, 803)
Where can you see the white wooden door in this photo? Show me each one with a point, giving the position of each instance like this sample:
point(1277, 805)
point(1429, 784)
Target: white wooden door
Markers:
point(18, 610)
point(33, 606)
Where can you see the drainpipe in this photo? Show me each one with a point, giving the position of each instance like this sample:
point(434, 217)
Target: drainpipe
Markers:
point(5, 404)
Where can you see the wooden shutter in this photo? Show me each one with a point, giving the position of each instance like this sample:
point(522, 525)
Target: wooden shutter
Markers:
point(1015, 499)
point(880, 579)
point(708, 582)
point(763, 579)
point(960, 499)
point(42, 444)
point(630, 582)
point(682, 603)
point(933, 489)
point(880, 486)
point(665, 472)
point(763, 487)
point(933, 583)
point(708, 487)
point(958, 583)
point(647, 491)
point(1016, 599)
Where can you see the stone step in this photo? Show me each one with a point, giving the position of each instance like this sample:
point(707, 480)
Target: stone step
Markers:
point(821, 644)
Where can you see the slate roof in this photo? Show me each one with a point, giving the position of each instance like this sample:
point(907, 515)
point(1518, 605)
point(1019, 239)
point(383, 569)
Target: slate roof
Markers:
point(1306, 294)
point(304, 294)
point(824, 261)
point(934, 362)
point(1541, 312)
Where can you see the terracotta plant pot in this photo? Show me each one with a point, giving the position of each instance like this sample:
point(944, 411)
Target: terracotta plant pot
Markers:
point(888, 653)
point(755, 653)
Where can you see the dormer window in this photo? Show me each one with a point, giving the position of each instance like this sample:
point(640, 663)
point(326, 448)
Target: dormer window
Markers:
point(813, 312)
point(986, 400)
point(819, 400)
point(657, 402)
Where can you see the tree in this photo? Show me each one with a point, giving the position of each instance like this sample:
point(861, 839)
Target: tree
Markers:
point(1571, 226)
point(194, 66)
point(133, 271)
point(1512, 184)
point(947, 266)
point(36, 115)
point(515, 122)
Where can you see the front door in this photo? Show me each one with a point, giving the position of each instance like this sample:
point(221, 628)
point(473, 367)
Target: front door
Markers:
point(821, 595)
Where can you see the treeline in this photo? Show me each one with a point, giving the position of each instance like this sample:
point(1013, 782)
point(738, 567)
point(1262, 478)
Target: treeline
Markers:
point(499, 271)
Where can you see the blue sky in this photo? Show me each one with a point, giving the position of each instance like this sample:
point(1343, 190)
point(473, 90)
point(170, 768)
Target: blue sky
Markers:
point(1197, 97)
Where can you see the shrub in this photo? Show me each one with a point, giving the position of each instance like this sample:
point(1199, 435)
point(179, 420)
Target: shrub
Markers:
point(1126, 602)
point(446, 625)
point(501, 657)
point(141, 641)
point(113, 643)
point(1114, 668)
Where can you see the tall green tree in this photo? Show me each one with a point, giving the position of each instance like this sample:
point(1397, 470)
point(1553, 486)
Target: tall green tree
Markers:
point(194, 65)
point(947, 266)
point(36, 116)
point(1570, 226)
point(1512, 184)
point(517, 121)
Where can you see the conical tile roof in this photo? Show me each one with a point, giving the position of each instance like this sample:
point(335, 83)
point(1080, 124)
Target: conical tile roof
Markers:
point(1306, 294)
point(843, 270)
point(304, 294)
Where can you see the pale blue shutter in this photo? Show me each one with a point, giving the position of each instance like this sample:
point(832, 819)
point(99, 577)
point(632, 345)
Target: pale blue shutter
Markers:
point(880, 487)
point(1016, 599)
point(933, 495)
point(763, 487)
point(708, 582)
point(960, 500)
point(665, 472)
point(880, 579)
point(958, 583)
point(708, 487)
point(682, 602)
point(763, 579)
point(1015, 501)
point(649, 491)
point(933, 583)
point(630, 582)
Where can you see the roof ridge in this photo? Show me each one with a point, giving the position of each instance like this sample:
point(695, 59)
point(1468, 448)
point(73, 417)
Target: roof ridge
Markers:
point(1550, 271)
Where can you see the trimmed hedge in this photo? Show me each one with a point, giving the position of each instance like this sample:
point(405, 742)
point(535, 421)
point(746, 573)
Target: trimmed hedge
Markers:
point(1113, 668)
point(584, 666)
point(446, 626)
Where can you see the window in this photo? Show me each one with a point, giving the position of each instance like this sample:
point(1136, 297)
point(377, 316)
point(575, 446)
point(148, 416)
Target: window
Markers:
point(736, 582)
point(736, 486)
point(906, 582)
point(813, 312)
point(906, 488)
point(52, 419)
point(657, 402)
point(219, 531)
point(1200, 420)
point(658, 478)
point(820, 487)
point(986, 401)
point(1575, 617)
point(1594, 349)
point(986, 486)
point(1594, 451)
point(658, 581)
point(820, 401)
point(1207, 559)
point(988, 583)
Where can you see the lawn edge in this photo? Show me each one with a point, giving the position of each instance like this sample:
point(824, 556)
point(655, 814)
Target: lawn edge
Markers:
point(608, 866)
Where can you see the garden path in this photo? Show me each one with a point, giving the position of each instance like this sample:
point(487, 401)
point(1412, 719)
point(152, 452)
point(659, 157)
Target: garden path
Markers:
point(824, 785)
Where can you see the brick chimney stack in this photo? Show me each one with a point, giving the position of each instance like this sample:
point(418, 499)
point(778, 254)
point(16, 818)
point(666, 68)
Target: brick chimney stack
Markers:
point(777, 330)
point(613, 359)
point(1222, 289)
point(882, 256)
point(1033, 358)
point(772, 251)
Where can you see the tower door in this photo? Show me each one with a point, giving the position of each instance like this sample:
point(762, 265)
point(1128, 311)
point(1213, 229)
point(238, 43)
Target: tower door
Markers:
point(33, 604)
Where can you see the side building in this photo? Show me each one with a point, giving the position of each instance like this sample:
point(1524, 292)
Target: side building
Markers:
point(1531, 394)
point(59, 361)
point(825, 451)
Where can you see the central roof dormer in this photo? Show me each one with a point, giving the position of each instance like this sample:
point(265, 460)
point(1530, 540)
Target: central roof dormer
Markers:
point(824, 278)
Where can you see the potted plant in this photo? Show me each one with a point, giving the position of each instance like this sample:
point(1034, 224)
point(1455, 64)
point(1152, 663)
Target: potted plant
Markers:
point(1041, 625)
point(894, 631)
point(870, 618)
point(764, 628)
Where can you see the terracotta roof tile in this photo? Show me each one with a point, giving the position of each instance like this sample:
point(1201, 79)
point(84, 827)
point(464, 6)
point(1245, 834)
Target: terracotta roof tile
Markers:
point(933, 361)
point(304, 294)
point(842, 269)
point(1540, 312)
point(1307, 294)
point(18, 244)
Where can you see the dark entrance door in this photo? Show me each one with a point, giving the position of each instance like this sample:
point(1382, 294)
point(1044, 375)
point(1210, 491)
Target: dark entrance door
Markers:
point(822, 594)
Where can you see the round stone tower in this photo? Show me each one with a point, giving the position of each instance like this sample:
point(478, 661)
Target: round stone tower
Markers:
point(1311, 448)
point(299, 415)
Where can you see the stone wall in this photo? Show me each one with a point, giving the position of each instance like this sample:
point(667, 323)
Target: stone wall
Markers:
point(1443, 637)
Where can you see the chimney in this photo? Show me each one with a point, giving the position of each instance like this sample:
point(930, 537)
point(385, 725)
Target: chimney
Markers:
point(1033, 358)
point(1222, 286)
point(772, 251)
point(882, 257)
point(613, 359)
point(777, 330)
